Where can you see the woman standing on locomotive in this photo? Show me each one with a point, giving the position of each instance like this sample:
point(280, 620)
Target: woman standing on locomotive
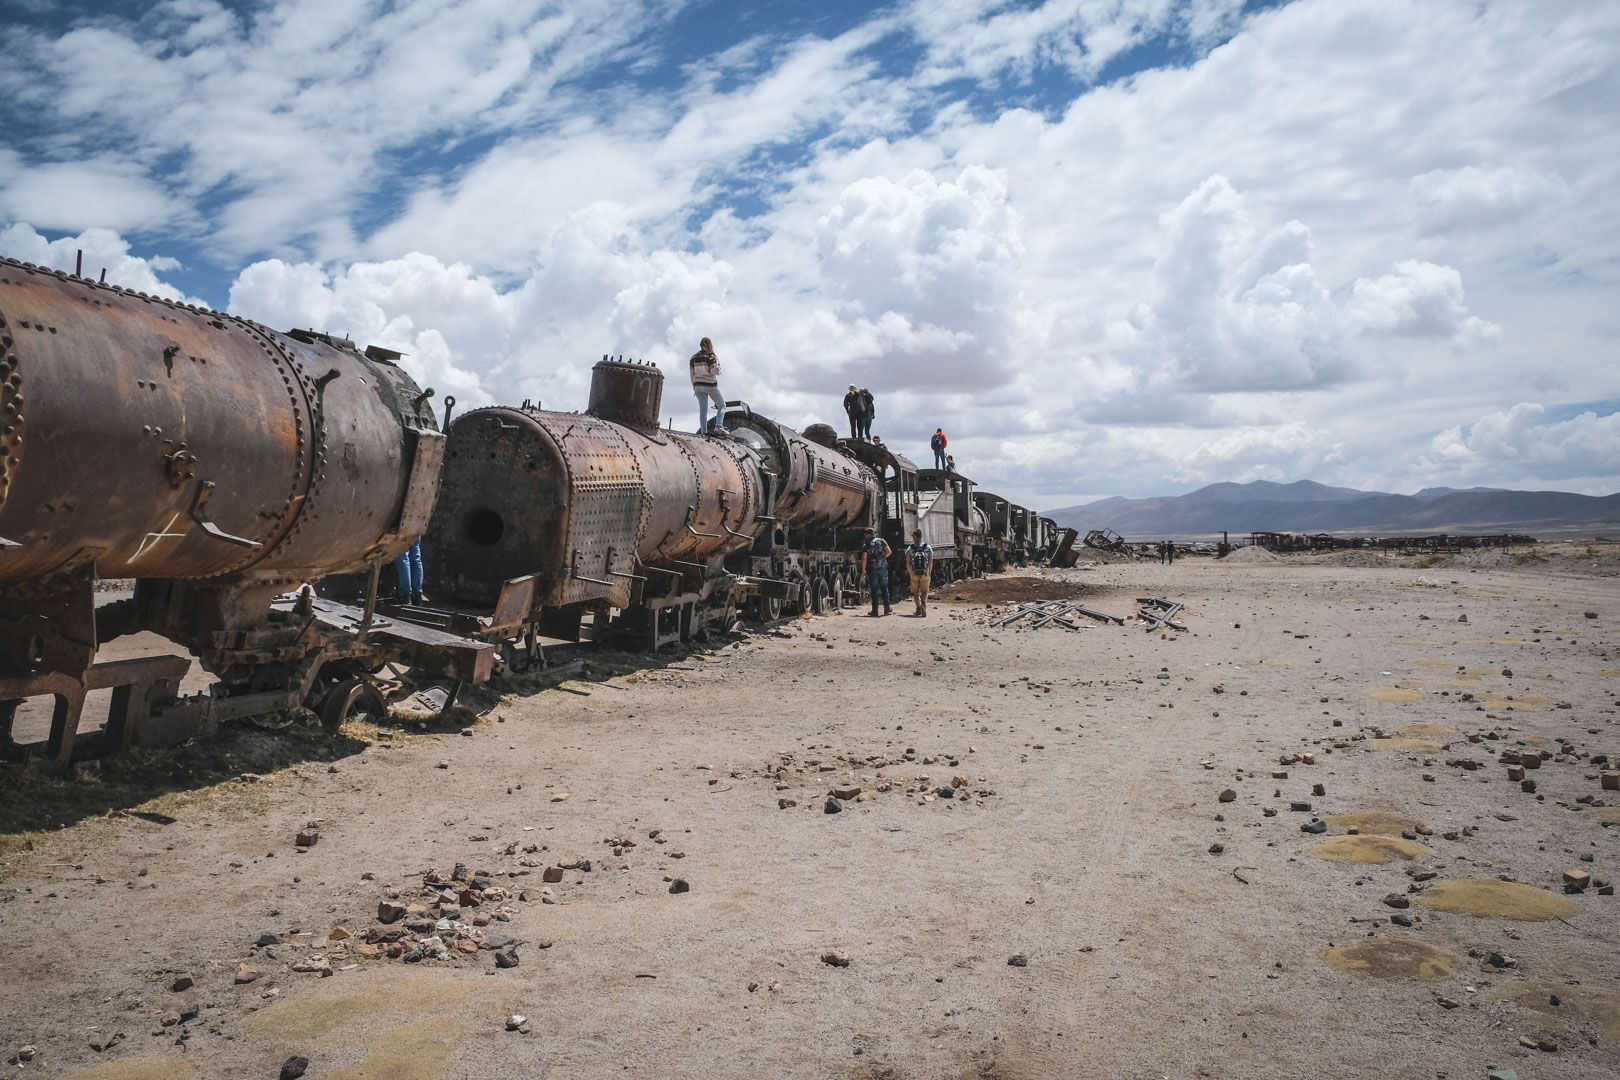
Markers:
point(705, 368)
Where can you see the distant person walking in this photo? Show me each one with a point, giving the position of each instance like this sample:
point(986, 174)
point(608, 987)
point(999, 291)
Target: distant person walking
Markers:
point(920, 561)
point(705, 367)
point(854, 410)
point(408, 576)
point(868, 413)
point(875, 555)
point(937, 444)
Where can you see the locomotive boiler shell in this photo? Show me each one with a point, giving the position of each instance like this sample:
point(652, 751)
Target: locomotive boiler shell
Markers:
point(820, 487)
point(583, 503)
point(167, 442)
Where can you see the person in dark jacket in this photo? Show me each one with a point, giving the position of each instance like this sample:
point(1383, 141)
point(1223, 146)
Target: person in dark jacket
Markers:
point(853, 409)
point(875, 555)
point(937, 444)
point(705, 367)
point(868, 413)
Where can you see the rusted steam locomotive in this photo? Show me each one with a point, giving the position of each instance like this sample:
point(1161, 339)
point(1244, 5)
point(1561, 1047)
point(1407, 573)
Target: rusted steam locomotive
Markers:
point(574, 525)
point(217, 464)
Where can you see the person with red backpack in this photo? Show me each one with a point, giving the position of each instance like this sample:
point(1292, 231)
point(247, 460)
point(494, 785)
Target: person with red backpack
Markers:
point(938, 443)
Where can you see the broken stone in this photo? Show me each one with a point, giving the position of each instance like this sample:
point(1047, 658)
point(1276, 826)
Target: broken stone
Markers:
point(834, 958)
point(552, 874)
point(308, 838)
point(245, 975)
point(679, 885)
point(1397, 900)
point(845, 793)
point(833, 806)
point(181, 982)
point(516, 1021)
point(389, 912)
point(1579, 879)
point(294, 1067)
point(1227, 796)
point(507, 958)
point(1018, 959)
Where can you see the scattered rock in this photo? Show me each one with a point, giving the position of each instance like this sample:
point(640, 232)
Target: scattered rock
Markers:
point(1578, 880)
point(1227, 796)
point(1216, 848)
point(389, 912)
point(1018, 959)
point(846, 793)
point(294, 1067)
point(834, 958)
point(507, 958)
point(833, 806)
point(1314, 826)
point(1397, 900)
point(516, 1022)
point(308, 838)
point(182, 982)
point(679, 885)
point(245, 975)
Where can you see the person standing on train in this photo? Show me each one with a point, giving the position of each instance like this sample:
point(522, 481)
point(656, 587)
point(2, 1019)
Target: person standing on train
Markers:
point(854, 410)
point(920, 561)
point(937, 444)
point(875, 554)
point(950, 465)
point(705, 367)
point(868, 413)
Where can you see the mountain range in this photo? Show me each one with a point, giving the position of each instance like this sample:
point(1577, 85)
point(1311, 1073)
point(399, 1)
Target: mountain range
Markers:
point(1306, 506)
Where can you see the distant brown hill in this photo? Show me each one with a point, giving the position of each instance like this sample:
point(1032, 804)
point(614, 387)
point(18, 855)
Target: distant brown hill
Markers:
point(1306, 506)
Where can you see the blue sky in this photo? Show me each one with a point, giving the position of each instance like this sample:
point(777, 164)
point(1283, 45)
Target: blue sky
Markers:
point(1114, 246)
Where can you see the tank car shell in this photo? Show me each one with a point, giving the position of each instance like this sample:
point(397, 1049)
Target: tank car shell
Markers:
point(167, 442)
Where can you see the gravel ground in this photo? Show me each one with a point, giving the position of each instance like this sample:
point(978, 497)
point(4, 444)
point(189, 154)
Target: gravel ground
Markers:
point(1062, 913)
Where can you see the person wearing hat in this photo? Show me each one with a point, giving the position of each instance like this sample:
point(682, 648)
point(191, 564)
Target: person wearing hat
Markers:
point(868, 413)
point(875, 554)
point(920, 561)
point(852, 408)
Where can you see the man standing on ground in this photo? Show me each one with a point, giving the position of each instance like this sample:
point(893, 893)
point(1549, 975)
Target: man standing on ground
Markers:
point(854, 410)
point(408, 576)
point(875, 553)
point(937, 444)
point(868, 412)
point(705, 368)
point(920, 561)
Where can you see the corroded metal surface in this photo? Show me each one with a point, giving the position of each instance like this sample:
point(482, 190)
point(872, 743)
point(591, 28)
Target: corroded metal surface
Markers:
point(161, 441)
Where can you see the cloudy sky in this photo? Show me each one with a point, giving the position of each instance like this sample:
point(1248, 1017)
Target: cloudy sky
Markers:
point(1113, 246)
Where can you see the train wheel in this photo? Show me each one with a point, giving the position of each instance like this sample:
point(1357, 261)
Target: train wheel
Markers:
point(770, 607)
point(818, 597)
point(352, 698)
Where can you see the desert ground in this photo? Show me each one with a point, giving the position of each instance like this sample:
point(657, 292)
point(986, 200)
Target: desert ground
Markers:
point(1292, 840)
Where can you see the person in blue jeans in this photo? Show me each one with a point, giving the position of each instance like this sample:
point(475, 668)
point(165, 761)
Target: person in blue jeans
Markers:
point(875, 554)
point(408, 575)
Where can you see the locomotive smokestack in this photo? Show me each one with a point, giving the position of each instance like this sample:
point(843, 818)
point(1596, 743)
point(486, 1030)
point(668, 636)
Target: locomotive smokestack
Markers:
point(626, 392)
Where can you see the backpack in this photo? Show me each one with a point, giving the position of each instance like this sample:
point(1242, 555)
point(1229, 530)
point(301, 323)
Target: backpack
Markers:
point(919, 558)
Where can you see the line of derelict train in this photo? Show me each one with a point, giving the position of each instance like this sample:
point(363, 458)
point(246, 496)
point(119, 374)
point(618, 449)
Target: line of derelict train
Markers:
point(251, 484)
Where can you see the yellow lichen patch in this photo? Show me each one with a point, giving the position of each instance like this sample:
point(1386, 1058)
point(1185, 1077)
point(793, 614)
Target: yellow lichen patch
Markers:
point(1387, 959)
point(1428, 729)
point(418, 1052)
point(1575, 1003)
point(1422, 746)
point(1435, 662)
point(1368, 850)
point(137, 1069)
point(320, 1010)
point(1609, 673)
point(1394, 695)
point(1373, 821)
point(1609, 815)
point(1537, 740)
point(1488, 898)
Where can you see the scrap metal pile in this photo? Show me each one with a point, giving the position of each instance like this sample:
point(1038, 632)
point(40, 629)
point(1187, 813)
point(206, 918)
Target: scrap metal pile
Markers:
point(1156, 613)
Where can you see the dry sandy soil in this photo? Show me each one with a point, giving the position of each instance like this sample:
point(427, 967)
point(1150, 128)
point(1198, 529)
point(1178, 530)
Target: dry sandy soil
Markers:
point(1080, 842)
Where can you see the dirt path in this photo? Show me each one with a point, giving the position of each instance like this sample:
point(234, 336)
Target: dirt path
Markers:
point(1079, 843)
